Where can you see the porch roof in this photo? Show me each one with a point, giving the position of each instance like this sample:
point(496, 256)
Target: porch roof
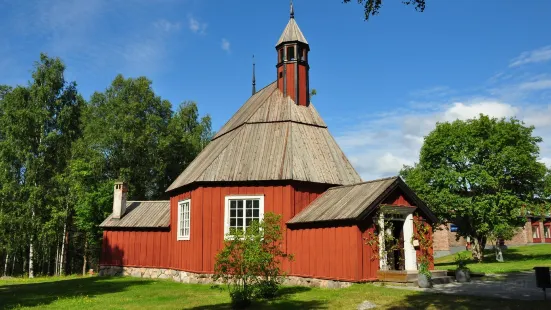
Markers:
point(356, 201)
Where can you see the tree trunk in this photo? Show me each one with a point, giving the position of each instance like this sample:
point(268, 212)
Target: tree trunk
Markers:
point(85, 256)
point(6, 265)
point(31, 251)
point(13, 265)
point(62, 254)
point(49, 258)
point(31, 259)
point(56, 272)
point(499, 253)
point(478, 248)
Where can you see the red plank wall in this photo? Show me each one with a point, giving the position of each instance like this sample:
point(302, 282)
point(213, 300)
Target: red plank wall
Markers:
point(207, 230)
point(326, 253)
point(135, 248)
point(397, 198)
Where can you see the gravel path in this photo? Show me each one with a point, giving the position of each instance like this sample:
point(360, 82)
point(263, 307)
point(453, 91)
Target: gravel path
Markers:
point(521, 285)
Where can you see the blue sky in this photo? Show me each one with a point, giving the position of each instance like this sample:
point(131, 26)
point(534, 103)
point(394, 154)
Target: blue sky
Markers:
point(382, 84)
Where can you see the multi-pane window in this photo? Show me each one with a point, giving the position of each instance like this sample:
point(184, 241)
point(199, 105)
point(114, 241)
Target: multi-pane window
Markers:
point(241, 211)
point(547, 231)
point(184, 219)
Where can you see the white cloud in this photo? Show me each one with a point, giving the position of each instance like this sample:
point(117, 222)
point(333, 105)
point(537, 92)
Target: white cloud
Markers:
point(166, 25)
point(536, 85)
point(196, 26)
point(538, 55)
point(381, 145)
point(226, 45)
point(463, 111)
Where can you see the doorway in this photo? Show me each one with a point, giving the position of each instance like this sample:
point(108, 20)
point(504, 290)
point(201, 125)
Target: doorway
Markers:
point(396, 257)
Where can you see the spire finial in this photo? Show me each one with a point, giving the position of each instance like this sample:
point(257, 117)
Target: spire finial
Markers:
point(292, 10)
point(254, 78)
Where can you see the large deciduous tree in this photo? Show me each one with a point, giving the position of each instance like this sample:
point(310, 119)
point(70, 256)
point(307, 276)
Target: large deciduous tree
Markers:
point(130, 134)
point(39, 123)
point(59, 157)
point(481, 174)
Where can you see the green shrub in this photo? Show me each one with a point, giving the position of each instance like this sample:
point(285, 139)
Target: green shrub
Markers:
point(424, 269)
point(461, 260)
point(250, 262)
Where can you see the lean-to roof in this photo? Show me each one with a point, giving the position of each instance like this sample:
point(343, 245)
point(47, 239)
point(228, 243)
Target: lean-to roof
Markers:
point(351, 202)
point(141, 214)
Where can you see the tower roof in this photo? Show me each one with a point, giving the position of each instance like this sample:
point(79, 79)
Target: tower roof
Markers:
point(292, 32)
point(271, 138)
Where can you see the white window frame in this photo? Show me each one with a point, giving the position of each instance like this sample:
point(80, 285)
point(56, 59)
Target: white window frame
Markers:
point(181, 236)
point(240, 197)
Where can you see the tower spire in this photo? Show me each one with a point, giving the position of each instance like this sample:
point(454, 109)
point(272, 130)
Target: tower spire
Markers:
point(292, 10)
point(254, 78)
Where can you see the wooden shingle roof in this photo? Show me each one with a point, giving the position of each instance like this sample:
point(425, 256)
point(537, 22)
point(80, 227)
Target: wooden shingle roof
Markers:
point(352, 202)
point(142, 214)
point(271, 138)
point(292, 33)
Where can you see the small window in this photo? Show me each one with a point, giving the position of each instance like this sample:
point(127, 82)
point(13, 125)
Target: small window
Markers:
point(184, 219)
point(300, 53)
point(290, 53)
point(280, 74)
point(547, 231)
point(280, 55)
point(241, 211)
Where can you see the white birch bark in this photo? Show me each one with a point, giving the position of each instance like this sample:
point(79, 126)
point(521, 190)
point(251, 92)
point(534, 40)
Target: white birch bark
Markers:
point(6, 264)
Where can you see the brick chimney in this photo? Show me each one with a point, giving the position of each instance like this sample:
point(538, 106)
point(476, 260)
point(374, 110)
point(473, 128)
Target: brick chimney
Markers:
point(119, 199)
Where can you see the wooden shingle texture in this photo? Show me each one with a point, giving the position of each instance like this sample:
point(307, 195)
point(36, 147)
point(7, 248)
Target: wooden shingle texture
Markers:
point(291, 33)
point(344, 202)
point(271, 138)
point(142, 214)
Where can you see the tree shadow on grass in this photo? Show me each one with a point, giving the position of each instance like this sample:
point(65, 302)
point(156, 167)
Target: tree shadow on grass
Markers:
point(282, 301)
point(445, 302)
point(36, 294)
point(273, 304)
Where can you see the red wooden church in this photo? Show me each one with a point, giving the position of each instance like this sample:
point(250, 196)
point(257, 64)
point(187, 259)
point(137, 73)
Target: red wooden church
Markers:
point(274, 155)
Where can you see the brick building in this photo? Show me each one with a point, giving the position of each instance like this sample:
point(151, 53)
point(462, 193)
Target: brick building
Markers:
point(534, 231)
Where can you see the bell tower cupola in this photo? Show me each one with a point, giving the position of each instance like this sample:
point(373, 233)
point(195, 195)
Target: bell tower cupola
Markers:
point(292, 63)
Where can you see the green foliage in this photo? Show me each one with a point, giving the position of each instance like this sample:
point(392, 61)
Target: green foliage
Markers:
point(372, 7)
point(461, 260)
point(59, 157)
point(424, 236)
point(479, 174)
point(424, 268)
point(250, 262)
point(390, 242)
point(39, 123)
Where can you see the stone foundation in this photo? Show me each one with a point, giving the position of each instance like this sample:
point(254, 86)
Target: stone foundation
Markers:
point(201, 278)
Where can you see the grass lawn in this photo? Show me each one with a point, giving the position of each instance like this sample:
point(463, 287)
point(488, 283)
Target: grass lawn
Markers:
point(520, 258)
point(133, 293)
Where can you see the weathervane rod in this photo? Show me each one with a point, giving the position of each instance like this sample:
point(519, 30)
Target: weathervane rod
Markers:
point(254, 78)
